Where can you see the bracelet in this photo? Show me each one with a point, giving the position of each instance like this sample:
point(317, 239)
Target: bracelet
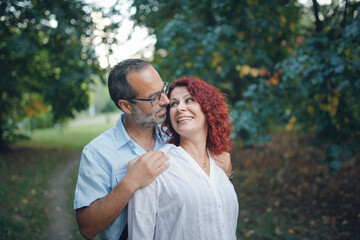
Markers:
point(231, 175)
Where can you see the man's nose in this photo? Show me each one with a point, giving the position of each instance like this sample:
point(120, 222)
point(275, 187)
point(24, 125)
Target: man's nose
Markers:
point(164, 100)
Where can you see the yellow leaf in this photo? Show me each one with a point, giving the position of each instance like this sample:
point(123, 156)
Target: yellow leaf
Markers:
point(24, 201)
point(216, 61)
point(188, 64)
point(292, 119)
point(291, 231)
point(292, 27)
point(335, 101)
point(245, 70)
point(288, 127)
point(254, 72)
point(290, 124)
point(282, 20)
point(310, 110)
point(332, 110)
point(39, 105)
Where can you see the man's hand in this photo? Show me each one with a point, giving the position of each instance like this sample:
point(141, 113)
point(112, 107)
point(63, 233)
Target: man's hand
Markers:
point(145, 168)
point(224, 161)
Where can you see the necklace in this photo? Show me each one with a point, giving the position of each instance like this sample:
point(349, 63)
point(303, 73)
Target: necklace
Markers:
point(204, 166)
point(146, 149)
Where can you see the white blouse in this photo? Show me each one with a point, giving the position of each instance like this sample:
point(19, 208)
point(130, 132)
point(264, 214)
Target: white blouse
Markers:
point(184, 203)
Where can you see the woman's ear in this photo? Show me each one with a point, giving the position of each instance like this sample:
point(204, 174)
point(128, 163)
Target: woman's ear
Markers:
point(125, 105)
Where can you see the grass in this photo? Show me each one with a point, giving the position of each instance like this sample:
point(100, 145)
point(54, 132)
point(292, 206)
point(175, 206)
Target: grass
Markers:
point(69, 137)
point(23, 190)
point(24, 174)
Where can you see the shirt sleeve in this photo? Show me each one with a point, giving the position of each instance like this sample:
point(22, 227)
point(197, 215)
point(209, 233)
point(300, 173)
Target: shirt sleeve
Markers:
point(93, 180)
point(142, 212)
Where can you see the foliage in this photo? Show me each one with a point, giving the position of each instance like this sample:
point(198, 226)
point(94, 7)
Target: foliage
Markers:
point(47, 51)
point(102, 100)
point(213, 39)
point(317, 87)
point(275, 68)
point(230, 44)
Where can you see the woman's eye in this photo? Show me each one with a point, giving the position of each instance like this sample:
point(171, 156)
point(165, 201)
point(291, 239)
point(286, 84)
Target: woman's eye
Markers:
point(173, 104)
point(189, 100)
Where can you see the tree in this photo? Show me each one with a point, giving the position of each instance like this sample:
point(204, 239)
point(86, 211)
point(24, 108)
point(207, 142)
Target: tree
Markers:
point(275, 62)
point(324, 72)
point(317, 85)
point(48, 59)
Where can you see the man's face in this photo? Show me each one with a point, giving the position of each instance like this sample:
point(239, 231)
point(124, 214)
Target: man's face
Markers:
point(147, 83)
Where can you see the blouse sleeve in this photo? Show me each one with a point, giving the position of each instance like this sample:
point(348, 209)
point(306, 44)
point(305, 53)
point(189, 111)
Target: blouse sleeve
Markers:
point(142, 211)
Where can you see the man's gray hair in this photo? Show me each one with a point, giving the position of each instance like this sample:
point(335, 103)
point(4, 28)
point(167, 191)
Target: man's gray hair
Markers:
point(119, 87)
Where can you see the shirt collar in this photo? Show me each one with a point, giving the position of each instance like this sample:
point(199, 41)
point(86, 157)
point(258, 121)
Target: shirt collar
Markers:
point(123, 138)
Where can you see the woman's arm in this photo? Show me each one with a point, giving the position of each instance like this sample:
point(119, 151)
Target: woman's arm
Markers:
point(142, 211)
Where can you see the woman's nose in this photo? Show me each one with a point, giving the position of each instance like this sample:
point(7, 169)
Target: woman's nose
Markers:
point(181, 106)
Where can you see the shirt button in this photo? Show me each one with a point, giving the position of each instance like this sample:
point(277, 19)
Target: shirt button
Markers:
point(219, 206)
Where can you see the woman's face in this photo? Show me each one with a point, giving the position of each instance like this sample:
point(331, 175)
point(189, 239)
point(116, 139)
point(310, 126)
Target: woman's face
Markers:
point(186, 115)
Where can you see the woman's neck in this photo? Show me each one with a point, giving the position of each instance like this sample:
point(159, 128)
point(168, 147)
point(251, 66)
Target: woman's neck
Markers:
point(196, 148)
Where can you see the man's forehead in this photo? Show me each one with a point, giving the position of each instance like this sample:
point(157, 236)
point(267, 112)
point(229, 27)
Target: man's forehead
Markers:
point(146, 82)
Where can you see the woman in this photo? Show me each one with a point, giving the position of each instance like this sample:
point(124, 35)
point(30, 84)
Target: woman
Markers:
point(194, 198)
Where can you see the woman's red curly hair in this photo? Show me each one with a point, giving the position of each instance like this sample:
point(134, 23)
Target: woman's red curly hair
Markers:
point(216, 111)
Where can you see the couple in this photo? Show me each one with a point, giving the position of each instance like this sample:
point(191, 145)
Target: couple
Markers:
point(192, 198)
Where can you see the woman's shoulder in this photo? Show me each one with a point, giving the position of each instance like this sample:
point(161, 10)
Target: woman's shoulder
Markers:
point(168, 147)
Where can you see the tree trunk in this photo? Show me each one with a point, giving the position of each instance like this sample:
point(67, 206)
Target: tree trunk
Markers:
point(343, 23)
point(3, 145)
point(318, 23)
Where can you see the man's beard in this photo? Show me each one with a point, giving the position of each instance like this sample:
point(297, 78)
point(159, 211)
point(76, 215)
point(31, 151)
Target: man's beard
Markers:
point(147, 120)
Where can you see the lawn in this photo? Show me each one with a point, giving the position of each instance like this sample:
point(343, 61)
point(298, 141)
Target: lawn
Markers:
point(24, 174)
point(284, 191)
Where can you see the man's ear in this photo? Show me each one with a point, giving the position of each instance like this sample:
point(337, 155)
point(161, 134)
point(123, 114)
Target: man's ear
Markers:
point(125, 105)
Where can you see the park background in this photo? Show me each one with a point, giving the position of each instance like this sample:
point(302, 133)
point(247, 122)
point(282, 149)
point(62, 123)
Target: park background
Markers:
point(290, 70)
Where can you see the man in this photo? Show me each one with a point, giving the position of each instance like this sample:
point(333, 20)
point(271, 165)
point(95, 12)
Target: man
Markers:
point(121, 160)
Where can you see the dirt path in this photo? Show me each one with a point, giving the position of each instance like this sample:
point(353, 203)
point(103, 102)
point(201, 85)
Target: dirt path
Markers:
point(60, 225)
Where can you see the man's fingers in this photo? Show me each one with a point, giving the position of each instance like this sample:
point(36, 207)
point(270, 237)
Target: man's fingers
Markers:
point(162, 168)
point(152, 155)
point(160, 161)
point(135, 159)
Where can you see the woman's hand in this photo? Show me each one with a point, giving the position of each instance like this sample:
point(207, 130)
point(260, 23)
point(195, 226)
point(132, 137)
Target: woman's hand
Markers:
point(224, 161)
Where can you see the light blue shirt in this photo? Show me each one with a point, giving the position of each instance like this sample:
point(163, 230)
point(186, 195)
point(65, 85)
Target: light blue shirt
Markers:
point(103, 165)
